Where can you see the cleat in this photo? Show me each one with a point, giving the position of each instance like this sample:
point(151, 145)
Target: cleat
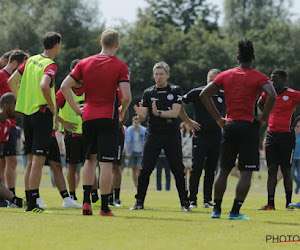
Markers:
point(38, 210)
point(68, 202)
point(3, 203)
point(40, 203)
point(137, 206)
point(111, 200)
point(193, 204)
point(267, 207)
point(215, 214)
point(86, 209)
point(208, 205)
point(289, 208)
point(185, 206)
point(237, 216)
point(117, 203)
point(109, 213)
point(18, 203)
point(295, 205)
point(186, 209)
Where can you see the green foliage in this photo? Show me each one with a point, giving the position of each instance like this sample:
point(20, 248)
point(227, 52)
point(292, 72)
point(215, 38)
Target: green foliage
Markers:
point(25, 22)
point(184, 33)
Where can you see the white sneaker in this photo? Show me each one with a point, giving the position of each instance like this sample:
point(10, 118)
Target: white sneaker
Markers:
point(40, 203)
point(68, 202)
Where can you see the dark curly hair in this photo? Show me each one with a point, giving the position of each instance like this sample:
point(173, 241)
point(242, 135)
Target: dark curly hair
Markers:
point(246, 50)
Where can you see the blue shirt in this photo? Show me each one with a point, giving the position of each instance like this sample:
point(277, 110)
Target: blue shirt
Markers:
point(297, 148)
point(130, 136)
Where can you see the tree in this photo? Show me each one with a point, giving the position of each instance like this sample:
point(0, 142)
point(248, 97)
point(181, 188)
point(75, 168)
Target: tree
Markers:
point(182, 13)
point(74, 19)
point(242, 15)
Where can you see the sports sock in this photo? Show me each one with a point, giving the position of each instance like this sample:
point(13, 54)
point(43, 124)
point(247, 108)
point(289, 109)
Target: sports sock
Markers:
point(117, 193)
point(110, 198)
point(217, 205)
point(33, 195)
point(38, 193)
point(86, 193)
point(104, 203)
point(13, 190)
point(236, 206)
point(73, 195)
point(288, 197)
point(95, 196)
point(64, 194)
point(27, 194)
point(271, 200)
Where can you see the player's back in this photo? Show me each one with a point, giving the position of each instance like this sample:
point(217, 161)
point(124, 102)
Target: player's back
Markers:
point(242, 87)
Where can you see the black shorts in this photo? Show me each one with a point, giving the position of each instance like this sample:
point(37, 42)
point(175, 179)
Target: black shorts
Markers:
point(100, 137)
point(280, 148)
point(38, 130)
point(74, 148)
point(240, 138)
point(10, 147)
point(121, 135)
point(54, 153)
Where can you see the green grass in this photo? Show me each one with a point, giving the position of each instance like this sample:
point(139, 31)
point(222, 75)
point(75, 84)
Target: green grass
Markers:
point(162, 225)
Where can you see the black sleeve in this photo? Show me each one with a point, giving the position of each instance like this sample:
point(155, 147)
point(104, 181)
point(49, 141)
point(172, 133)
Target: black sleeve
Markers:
point(191, 96)
point(177, 92)
point(146, 100)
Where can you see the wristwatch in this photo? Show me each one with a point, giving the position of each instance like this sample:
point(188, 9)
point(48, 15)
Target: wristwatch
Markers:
point(159, 113)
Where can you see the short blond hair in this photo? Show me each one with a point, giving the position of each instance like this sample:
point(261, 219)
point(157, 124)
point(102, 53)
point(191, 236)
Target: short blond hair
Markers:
point(110, 38)
point(162, 65)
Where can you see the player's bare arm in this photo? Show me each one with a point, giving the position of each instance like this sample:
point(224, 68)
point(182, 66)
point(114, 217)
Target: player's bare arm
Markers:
point(173, 113)
point(13, 82)
point(45, 87)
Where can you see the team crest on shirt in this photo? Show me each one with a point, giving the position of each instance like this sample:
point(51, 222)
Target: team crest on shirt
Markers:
point(220, 100)
point(170, 97)
point(285, 98)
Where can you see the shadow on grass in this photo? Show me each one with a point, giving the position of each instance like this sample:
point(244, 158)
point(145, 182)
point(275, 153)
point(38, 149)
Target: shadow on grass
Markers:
point(283, 223)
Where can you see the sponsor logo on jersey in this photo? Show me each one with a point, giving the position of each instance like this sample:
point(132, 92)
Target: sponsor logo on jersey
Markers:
point(153, 99)
point(179, 98)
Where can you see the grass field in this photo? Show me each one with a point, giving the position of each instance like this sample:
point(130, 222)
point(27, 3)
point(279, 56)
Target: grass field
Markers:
point(162, 225)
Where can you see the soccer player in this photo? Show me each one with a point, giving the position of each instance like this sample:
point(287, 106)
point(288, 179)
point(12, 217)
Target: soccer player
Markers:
point(8, 159)
point(7, 110)
point(36, 100)
point(206, 141)
point(54, 161)
point(280, 140)
point(242, 86)
point(100, 75)
point(73, 132)
point(162, 103)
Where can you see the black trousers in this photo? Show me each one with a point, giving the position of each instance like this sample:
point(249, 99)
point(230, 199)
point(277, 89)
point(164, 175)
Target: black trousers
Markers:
point(171, 143)
point(206, 151)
